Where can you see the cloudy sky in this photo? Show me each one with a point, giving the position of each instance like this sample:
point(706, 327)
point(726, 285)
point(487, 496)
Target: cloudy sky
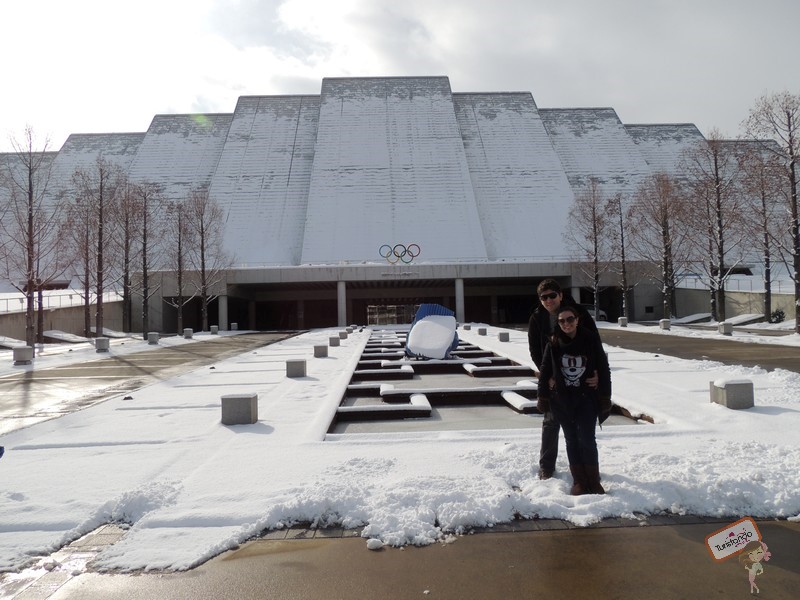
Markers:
point(108, 66)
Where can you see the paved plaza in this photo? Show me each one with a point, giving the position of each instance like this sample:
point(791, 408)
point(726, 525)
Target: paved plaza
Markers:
point(642, 556)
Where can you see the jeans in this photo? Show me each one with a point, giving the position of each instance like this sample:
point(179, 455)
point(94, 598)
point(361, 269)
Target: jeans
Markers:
point(549, 451)
point(576, 412)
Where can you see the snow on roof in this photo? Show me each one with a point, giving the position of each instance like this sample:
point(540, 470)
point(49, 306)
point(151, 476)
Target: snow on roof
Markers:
point(307, 179)
point(263, 177)
point(82, 150)
point(521, 191)
point(180, 152)
point(663, 146)
point(593, 144)
point(390, 168)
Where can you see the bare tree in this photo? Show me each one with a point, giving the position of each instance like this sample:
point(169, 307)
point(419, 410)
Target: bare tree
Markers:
point(659, 233)
point(204, 220)
point(30, 226)
point(81, 240)
point(97, 189)
point(621, 214)
point(761, 179)
point(179, 241)
point(589, 236)
point(715, 208)
point(128, 216)
point(151, 202)
point(777, 117)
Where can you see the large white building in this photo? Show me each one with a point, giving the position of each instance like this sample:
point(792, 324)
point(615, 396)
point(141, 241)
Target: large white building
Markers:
point(316, 190)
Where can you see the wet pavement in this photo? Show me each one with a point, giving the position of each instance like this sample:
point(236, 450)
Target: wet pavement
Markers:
point(722, 349)
point(32, 395)
point(651, 556)
point(654, 558)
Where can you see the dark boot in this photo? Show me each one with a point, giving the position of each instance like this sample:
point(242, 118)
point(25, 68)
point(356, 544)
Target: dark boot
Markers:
point(579, 480)
point(593, 484)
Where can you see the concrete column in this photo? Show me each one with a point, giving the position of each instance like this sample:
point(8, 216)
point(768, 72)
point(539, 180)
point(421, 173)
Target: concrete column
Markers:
point(222, 304)
point(301, 314)
point(576, 294)
point(493, 308)
point(251, 315)
point(459, 300)
point(341, 297)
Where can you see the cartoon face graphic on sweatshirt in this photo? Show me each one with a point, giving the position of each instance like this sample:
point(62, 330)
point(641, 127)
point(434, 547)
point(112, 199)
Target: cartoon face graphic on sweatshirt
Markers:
point(573, 368)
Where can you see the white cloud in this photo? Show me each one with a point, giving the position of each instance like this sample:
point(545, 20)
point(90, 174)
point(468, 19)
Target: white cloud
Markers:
point(90, 65)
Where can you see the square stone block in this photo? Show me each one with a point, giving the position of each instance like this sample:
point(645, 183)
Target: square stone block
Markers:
point(622, 321)
point(481, 330)
point(234, 327)
point(736, 394)
point(320, 351)
point(503, 336)
point(296, 368)
point(240, 409)
point(187, 334)
point(467, 327)
point(152, 337)
point(342, 335)
point(101, 344)
point(334, 341)
point(725, 328)
point(23, 355)
point(215, 330)
point(664, 324)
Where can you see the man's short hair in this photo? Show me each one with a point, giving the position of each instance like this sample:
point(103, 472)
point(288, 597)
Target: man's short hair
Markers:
point(548, 285)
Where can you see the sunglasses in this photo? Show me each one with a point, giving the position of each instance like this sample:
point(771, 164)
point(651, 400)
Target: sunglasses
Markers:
point(550, 296)
point(566, 320)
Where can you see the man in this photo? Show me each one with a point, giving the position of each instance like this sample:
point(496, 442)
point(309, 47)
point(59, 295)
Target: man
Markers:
point(540, 327)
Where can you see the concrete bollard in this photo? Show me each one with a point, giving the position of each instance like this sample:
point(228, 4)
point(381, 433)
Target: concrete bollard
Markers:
point(234, 327)
point(320, 351)
point(481, 330)
point(240, 409)
point(725, 328)
point(467, 327)
point(187, 334)
point(152, 337)
point(732, 393)
point(343, 335)
point(215, 330)
point(333, 341)
point(296, 368)
point(622, 321)
point(503, 336)
point(23, 355)
point(101, 344)
point(664, 324)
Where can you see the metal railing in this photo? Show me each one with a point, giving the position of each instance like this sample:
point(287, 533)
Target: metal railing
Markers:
point(15, 302)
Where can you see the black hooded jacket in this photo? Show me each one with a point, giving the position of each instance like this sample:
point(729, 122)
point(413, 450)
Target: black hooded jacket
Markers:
point(540, 330)
point(569, 362)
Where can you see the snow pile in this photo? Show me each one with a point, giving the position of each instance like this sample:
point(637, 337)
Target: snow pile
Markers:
point(191, 488)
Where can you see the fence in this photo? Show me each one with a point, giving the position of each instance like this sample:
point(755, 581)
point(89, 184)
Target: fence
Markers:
point(15, 302)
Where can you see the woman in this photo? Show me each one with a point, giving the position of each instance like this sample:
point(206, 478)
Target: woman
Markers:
point(573, 355)
point(750, 558)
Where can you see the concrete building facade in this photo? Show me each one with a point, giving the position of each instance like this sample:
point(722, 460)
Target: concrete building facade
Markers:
point(381, 193)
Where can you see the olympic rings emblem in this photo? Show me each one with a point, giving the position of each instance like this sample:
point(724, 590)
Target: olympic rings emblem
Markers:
point(399, 252)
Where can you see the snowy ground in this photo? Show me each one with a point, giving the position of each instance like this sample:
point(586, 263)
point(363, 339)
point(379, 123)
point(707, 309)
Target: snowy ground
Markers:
point(191, 488)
